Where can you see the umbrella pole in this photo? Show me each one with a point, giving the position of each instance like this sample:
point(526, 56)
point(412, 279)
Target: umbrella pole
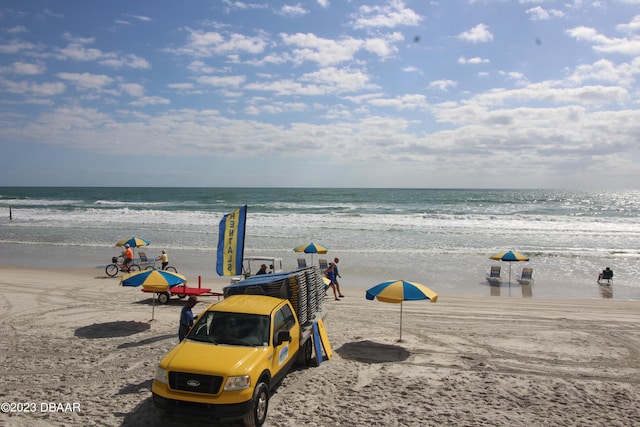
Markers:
point(153, 306)
point(400, 322)
point(509, 278)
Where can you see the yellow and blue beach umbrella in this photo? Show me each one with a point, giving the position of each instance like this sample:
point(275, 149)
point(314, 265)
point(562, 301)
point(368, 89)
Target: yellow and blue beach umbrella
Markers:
point(397, 291)
point(509, 256)
point(153, 281)
point(312, 248)
point(134, 242)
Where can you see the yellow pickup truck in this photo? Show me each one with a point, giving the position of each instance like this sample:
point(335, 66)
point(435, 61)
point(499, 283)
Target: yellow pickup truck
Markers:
point(239, 349)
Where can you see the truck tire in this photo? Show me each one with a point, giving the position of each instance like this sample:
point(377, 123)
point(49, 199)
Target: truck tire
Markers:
point(258, 413)
point(306, 353)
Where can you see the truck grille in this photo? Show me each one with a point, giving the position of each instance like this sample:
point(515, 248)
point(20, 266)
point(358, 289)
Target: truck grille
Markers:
point(195, 383)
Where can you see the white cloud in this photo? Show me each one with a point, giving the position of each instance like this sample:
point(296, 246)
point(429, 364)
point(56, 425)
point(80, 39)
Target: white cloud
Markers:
point(606, 71)
point(78, 52)
point(33, 89)
point(16, 46)
point(132, 89)
point(323, 82)
point(631, 27)
point(294, 11)
point(478, 34)
point(474, 61)
point(16, 29)
point(606, 44)
point(404, 102)
point(139, 17)
point(443, 85)
point(87, 80)
point(309, 47)
point(150, 100)
point(387, 16)
point(540, 14)
point(209, 43)
point(223, 81)
point(27, 68)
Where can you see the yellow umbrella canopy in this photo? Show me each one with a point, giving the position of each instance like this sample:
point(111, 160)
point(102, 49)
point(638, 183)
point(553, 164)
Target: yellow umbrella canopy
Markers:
point(397, 291)
point(134, 242)
point(153, 280)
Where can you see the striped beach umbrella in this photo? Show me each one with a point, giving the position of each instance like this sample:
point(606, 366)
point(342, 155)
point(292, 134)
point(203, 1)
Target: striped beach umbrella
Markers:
point(311, 248)
point(134, 242)
point(509, 256)
point(397, 291)
point(153, 281)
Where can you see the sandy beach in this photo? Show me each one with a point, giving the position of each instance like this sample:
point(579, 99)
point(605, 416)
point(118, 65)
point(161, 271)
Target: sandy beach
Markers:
point(77, 349)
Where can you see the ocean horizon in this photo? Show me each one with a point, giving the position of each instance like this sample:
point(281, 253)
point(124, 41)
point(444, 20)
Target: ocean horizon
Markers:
point(440, 237)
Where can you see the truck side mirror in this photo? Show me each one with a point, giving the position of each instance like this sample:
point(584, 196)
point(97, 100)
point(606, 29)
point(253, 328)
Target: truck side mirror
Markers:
point(282, 337)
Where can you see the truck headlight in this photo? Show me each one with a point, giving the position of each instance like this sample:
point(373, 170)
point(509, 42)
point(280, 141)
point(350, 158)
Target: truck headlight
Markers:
point(161, 375)
point(238, 383)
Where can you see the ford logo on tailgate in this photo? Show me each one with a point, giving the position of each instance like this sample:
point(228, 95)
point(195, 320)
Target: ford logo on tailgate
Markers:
point(193, 383)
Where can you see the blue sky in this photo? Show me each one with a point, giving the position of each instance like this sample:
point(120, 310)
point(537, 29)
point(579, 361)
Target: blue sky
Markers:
point(375, 93)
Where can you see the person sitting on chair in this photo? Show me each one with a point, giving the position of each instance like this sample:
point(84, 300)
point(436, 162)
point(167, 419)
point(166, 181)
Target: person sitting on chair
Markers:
point(263, 269)
point(607, 274)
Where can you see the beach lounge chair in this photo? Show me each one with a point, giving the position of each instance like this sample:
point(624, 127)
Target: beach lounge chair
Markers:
point(526, 276)
point(302, 263)
point(143, 256)
point(323, 264)
point(494, 273)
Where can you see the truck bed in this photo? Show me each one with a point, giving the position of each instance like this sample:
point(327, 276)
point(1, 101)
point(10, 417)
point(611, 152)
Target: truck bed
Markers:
point(303, 287)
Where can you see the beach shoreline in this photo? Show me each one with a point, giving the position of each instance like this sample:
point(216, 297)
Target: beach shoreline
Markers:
point(74, 336)
point(465, 276)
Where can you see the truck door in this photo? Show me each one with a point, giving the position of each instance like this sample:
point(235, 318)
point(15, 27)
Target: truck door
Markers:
point(284, 320)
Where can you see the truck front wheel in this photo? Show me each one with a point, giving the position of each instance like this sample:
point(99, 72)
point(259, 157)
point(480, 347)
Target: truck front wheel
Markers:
point(258, 413)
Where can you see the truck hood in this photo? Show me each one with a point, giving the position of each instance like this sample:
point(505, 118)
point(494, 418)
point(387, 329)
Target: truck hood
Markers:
point(212, 359)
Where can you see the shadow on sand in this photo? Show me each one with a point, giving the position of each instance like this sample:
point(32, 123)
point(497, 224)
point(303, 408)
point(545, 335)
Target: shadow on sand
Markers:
point(373, 352)
point(112, 329)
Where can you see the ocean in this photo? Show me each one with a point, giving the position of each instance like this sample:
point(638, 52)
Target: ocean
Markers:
point(439, 237)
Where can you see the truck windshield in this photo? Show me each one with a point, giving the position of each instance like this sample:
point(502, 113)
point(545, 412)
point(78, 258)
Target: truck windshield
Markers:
point(241, 329)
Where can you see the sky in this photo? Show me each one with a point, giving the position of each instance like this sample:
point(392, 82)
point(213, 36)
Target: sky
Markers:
point(321, 93)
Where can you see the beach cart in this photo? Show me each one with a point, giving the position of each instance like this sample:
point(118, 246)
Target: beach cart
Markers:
point(183, 291)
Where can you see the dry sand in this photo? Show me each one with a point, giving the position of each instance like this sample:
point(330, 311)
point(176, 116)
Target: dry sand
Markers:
point(77, 339)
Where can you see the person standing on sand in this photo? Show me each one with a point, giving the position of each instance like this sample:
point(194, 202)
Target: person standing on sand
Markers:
point(186, 317)
point(335, 270)
point(331, 275)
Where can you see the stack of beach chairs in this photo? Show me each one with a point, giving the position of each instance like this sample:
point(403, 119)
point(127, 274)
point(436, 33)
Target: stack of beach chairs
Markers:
point(303, 287)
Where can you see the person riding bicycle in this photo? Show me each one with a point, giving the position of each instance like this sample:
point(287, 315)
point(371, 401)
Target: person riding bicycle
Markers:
point(164, 258)
point(128, 257)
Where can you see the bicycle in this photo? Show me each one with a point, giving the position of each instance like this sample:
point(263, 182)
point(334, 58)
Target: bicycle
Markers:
point(167, 268)
point(118, 265)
